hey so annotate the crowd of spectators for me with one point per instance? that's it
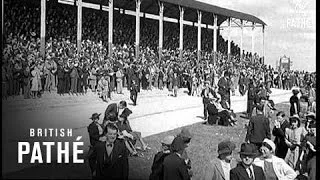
(24, 71)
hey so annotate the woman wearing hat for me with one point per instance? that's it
(219, 168)
(274, 167)
(245, 169)
(294, 136)
(103, 88)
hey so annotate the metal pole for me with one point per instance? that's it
(43, 27)
(241, 39)
(215, 34)
(138, 3)
(199, 34)
(79, 30)
(252, 39)
(161, 8)
(110, 28)
(181, 31)
(263, 47)
(229, 38)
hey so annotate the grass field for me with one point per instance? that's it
(202, 148)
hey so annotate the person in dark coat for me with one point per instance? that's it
(174, 167)
(114, 108)
(134, 91)
(205, 98)
(96, 135)
(245, 170)
(61, 79)
(224, 85)
(279, 132)
(157, 164)
(112, 156)
(251, 98)
(26, 82)
(258, 128)
(294, 103)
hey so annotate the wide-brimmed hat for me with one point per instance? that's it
(226, 147)
(248, 149)
(269, 144)
(311, 115)
(95, 116)
(167, 140)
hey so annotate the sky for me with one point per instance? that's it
(290, 30)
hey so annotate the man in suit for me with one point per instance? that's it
(134, 91)
(219, 168)
(112, 156)
(245, 170)
(251, 97)
(205, 98)
(174, 167)
(278, 131)
(113, 109)
(258, 128)
(224, 85)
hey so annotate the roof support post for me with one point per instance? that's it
(110, 28)
(199, 34)
(229, 39)
(79, 27)
(215, 34)
(252, 43)
(161, 9)
(263, 50)
(138, 3)
(241, 40)
(42, 27)
(181, 31)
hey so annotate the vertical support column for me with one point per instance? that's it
(199, 34)
(241, 40)
(181, 31)
(42, 28)
(229, 39)
(263, 50)
(79, 30)
(138, 2)
(252, 41)
(215, 34)
(110, 28)
(161, 8)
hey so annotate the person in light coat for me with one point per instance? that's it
(273, 166)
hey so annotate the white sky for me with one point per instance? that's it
(290, 30)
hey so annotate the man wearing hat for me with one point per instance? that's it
(134, 91)
(224, 85)
(219, 168)
(309, 151)
(174, 166)
(96, 135)
(273, 166)
(245, 169)
(157, 165)
(294, 102)
(258, 128)
(278, 131)
(205, 98)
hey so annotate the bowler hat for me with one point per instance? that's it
(226, 147)
(248, 149)
(95, 116)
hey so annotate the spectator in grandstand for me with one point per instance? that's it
(219, 168)
(278, 131)
(258, 128)
(294, 135)
(273, 166)
(157, 164)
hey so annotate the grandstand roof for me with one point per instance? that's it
(172, 10)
